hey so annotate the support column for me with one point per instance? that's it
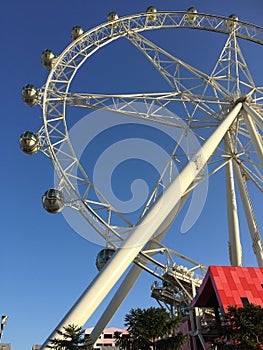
(235, 250)
(116, 301)
(142, 233)
(251, 220)
(131, 278)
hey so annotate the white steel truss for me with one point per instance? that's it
(223, 110)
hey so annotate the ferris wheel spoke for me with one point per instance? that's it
(250, 171)
(88, 200)
(256, 100)
(174, 70)
(231, 69)
(249, 174)
(247, 157)
(98, 213)
(153, 196)
(257, 118)
(147, 106)
(150, 106)
(102, 211)
(243, 151)
(166, 177)
(181, 76)
(255, 137)
(247, 146)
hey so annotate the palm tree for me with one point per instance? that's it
(153, 328)
(71, 338)
(242, 329)
(123, 340)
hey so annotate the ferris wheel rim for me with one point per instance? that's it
(107, 24)
(47, 94)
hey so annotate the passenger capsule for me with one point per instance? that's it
(48, 59)
(151, 11)
(76, 32)
(30, 95)
(29, 142)
(103, 256)
(191, 15)
(232, 22)
(112, 16)
(53, 200)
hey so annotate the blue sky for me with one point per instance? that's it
(45, 265)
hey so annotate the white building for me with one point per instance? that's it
(104, 342)
(107, 339)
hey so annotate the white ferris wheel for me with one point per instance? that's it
(222, 109)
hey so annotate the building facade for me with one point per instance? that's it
(107, 338)
(222, 286)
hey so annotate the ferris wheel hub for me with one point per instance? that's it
(247, 98)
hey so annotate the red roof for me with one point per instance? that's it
(230, 285)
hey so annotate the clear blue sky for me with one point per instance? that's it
(45, 266)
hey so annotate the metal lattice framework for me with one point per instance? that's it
(202, 98)
(226, 99)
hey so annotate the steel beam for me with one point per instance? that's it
(120, 261)
(235, 250)
(249, 213)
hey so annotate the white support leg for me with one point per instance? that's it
(116, 301)
(255, 137)
(131, 278)
(235, 250)
(251, 220)
(142, 233)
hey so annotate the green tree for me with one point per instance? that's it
(71, 338)
(153, 328)
(243, 329)
(123, 340)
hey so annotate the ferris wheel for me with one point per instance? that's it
(222, 109)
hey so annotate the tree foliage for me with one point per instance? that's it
(243, 329)
(123, 340)
(153, 328)
(71, 338)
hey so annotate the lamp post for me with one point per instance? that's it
(3, 324)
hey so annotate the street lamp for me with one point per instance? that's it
(3, 324)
